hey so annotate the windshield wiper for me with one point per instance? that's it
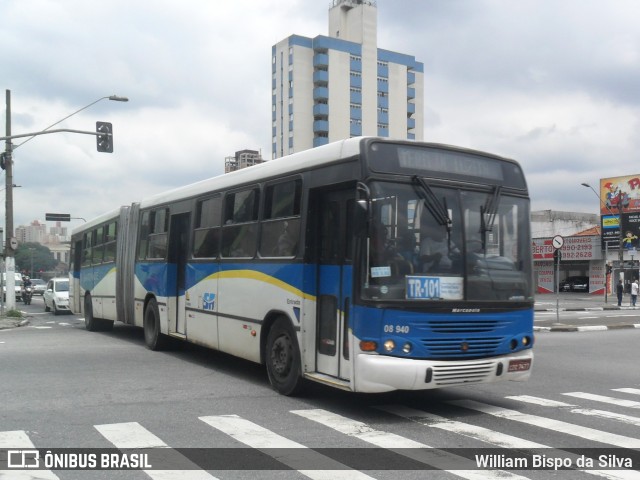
(435, 207)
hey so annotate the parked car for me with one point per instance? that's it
(18, 286)
(574, 284)
(56, 296)
(39, 286)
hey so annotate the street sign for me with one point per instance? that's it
(57, 217)
(557, 241)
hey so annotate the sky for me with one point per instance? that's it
(554, 84)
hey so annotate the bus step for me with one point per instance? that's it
(329, 380)
(181, 336)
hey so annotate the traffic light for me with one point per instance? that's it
(105, 139)
(557, 256)
(608, 269)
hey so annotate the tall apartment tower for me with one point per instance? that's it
(339, 86)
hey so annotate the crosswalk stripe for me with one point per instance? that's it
(550, 424)
(20, 440)
(387, 440)
(582, 411)
(539, 401)
(134, 435)
(634, 391)
(255, 436)
(486, 435)
(468, 430)
(604, 399)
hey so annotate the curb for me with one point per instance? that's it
(587, 328)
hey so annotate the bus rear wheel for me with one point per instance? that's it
(152, 336)
(283, 358)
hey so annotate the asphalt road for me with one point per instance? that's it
(64, 387)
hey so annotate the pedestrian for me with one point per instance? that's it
(634, 292)
(619, 292)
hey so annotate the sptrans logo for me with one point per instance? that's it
(209, 301)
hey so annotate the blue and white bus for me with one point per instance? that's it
(368, 264)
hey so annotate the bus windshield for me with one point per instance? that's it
(445, 243)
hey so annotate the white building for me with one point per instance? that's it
(342, 85)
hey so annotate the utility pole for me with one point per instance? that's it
(9, 259)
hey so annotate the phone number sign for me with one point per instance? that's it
(574, 248)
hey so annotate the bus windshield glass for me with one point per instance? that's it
(430, 243)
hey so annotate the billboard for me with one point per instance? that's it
(616, 192)
(620, 204)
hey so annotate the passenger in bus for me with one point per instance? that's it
(435, 250)
(285, 246)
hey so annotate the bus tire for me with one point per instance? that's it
(283, 358)
(153, 338)
(90, 323)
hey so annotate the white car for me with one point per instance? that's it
(56, 296)
(39, 286)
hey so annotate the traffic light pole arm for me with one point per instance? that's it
(58, 130)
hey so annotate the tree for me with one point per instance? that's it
(43, 259)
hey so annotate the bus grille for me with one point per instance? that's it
(444, 375)
(452, 348)
(466, 326)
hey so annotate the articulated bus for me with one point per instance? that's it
(368, 264)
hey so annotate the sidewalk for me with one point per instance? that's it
(565, 306)
(12, 322)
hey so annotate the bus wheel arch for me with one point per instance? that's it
(281, 354)
(91, 323)
(153, 336)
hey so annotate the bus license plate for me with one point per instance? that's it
(519, 365)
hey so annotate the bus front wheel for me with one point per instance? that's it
(283, 358)
(90, 322)
(152, 336)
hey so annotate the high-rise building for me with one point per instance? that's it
(342, 85)
(242, 159)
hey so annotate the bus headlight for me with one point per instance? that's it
(389, 345)
(407, 347)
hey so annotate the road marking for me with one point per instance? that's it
(539, 401)
(134, 435)
(551, 424)
(418, 451)
(490, 436)
(472, 431)
(634, 391)
(604, 399)
(39, 328)
(19, 439)
(249, 433)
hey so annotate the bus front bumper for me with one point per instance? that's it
(379, 373)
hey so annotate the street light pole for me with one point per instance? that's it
(11, 244)
(9, 259)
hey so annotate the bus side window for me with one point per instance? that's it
(207, 228)
(240, 231)
(281, 220)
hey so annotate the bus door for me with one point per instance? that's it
(178, 251)
(335, 236)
